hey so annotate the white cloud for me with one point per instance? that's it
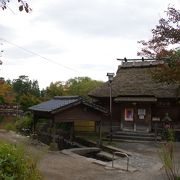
(76, 38)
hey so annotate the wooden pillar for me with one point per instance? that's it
(35, 119)
(122, 109)
(135, 116)
(53, 130)
(150, 118)
(72, 134)
(53, 145)
(33, 125)
(99, 141)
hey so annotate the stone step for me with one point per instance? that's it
(135, 138)
(131, 133)
(141, 138)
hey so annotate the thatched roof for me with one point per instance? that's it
(135, 79)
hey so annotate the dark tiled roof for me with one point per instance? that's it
(95, 106)
(56, 103)
(59, 102)
(135, 79)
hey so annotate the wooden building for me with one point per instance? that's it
(137, 100)
(73, 110)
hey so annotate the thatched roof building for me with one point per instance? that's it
(135, 79)
(138, 100)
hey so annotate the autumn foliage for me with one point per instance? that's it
(166, 33)
(6, 93)
(164, 45)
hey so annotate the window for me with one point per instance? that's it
(141, 113)
(129, 114)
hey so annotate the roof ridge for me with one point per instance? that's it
(136, 64)
(67, 97)
(87, 102)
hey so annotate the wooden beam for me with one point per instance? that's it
(140, 59)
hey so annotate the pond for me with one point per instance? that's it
(93, 152)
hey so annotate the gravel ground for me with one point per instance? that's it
(81, 169)
(58, 166)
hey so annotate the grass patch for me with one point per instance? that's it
(10, 127)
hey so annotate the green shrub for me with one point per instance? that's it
(10, 126)
(23, 123)
(1, 118)
(15, 164)
(170, 135)
(170, 165)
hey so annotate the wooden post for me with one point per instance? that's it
(53, 131)
(72, 132)
(100, 133)
(34, 126)
(149, 118)
(156, 133)
(135, 116)
(34, 136)
(53, 145)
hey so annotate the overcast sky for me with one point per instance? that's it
(62, 39)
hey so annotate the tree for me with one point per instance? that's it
(23, 85)
(6, 92)
(165, 35)
(27, 91)
(74, 86)
(27, 100)
(170, 71)
(55, 89)
(81, 85)
(23, 5)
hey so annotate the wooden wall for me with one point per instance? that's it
(155, 109)
(172, 110)
(80, 112)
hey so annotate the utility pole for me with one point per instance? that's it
(110, 78)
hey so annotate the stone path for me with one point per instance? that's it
(141, 162)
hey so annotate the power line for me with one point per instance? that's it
(36, 54)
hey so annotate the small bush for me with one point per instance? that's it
(170, 135)
(10, 126)
(171, 167)
(1, 118)
(24, 124)
(15, 164)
